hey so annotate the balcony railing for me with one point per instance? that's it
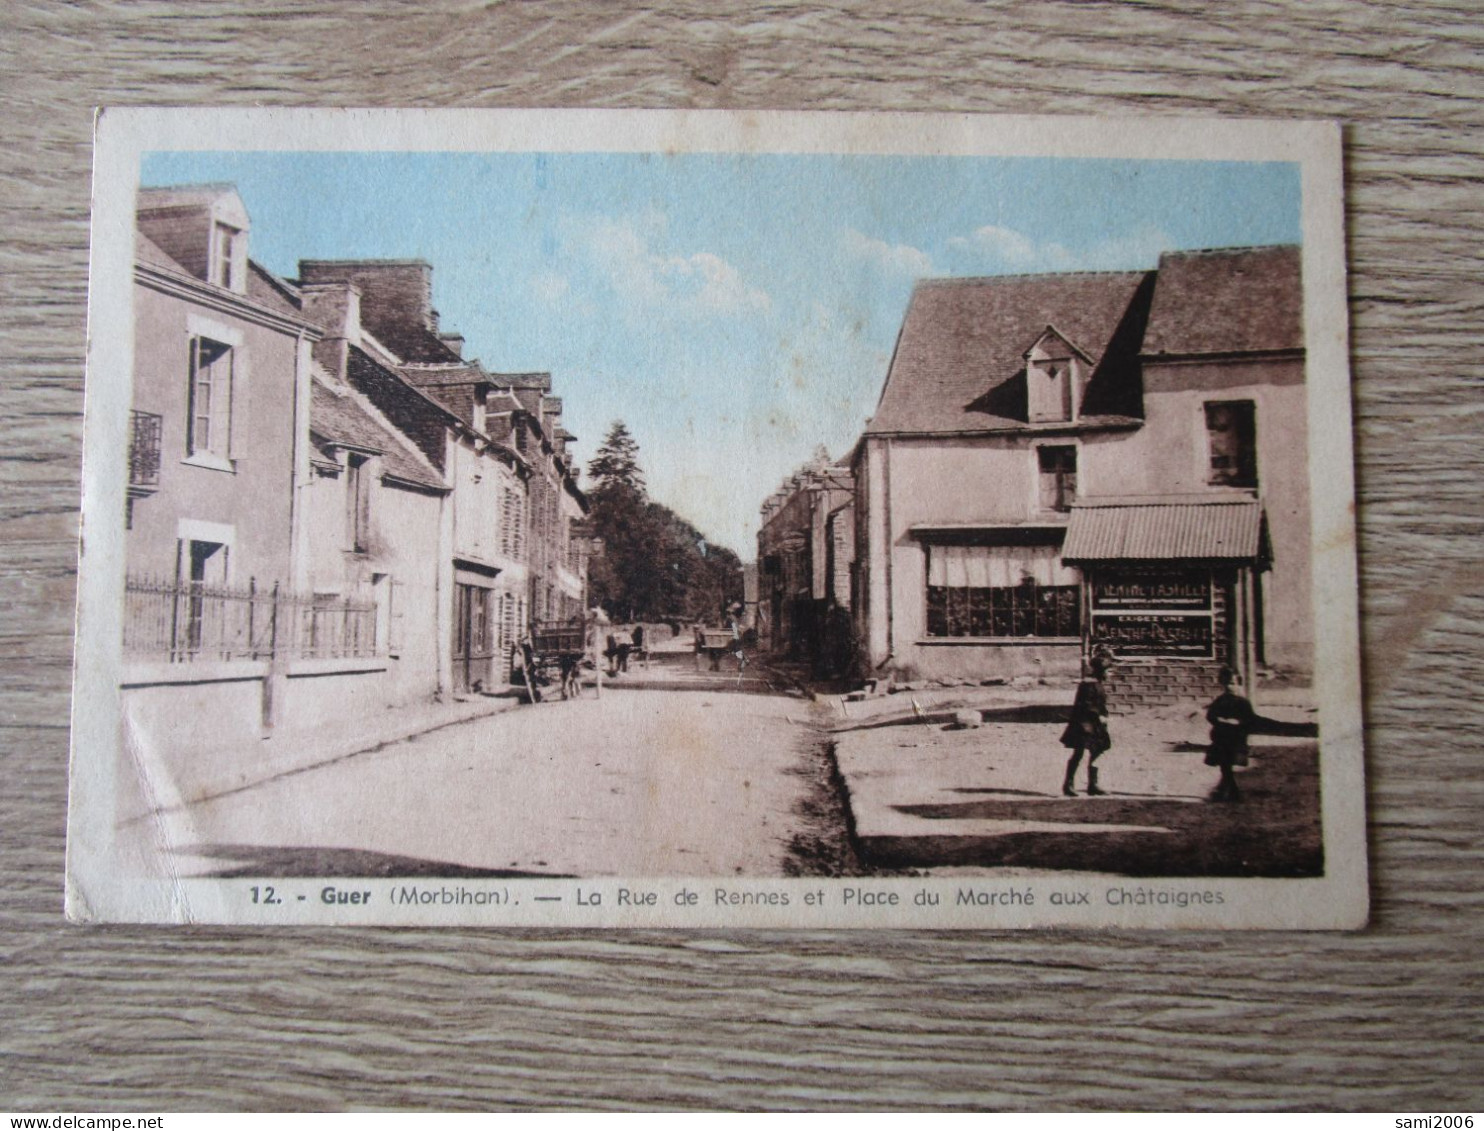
(144, 453)
(192, 621)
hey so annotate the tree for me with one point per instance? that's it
(655, 565)
(616, 464)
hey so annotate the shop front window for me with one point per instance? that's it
(1001, 591)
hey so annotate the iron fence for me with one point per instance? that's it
(191, 621)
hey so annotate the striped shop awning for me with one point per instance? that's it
(1177, 529)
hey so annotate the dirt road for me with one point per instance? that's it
(639, 783)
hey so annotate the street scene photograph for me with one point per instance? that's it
(528, 515)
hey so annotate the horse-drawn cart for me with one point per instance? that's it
(555, 650)
(715, 644)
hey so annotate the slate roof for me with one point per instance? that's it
(503, 401)
(148, 252)
(959, 364)
(263, 287)
(414, 343)
(267, 289)
(339, 418)
(411, 411)
(272, 290)
(540, 381)
(178, 196)
(1217, 528)
(1227, 300)
(463, 373)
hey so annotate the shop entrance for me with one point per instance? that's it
(474, 644)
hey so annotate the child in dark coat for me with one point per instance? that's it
(1231, 717)
(1087, 729)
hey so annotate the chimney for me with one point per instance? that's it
(453, 341)
(336, 309)
(396, 294)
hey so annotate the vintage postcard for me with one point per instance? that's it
(629, 519)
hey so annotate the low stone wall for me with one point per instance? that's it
(973, 661)
(1133, 685)
(193, 730)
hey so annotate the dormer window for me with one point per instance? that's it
(202, 228)
(1053, 370)
(223, 264)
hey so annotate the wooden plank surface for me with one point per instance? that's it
(124, 1018)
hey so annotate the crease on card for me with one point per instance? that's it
(165, 818)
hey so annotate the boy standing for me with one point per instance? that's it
(1231, 717)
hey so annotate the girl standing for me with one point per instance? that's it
(1088, 727)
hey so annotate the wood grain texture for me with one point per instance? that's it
(124, 1018)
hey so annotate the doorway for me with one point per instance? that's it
(473, 638)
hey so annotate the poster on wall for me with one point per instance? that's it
(655, 519)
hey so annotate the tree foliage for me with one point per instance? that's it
(655, 565)
(616, 464)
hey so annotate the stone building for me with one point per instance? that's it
(806, 548)
(217, 634)
(518, 556)
(437, 399)
(1066, 459)
(524, 414)
(330, 509)
(219, 352)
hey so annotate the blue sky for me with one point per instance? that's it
(736, 311)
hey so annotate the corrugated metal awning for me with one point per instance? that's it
(1184, 529)
(978, 534)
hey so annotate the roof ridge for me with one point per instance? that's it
(403, 261)
(1168, 499)
(1233, 248)
(194, 186)
(280, 283)
(953, 280)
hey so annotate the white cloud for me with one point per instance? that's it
(1005, 248)
(897, 258)
(701, 283)
(1139, 248)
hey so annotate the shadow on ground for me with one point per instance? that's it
(275, 862)
(1028, 713)
(1055, 713)
(1274, 831)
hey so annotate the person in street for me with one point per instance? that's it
(570, 665)
(734, 625)
(638, 637)
(619, 643)
(1231, 717)
(1087, 729)
(528, 669)
(596, 622)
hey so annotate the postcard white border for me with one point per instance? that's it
(96, 890)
